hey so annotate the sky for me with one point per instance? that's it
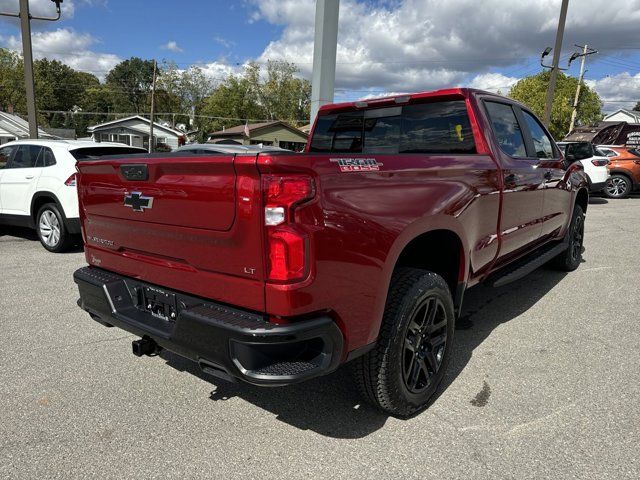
(384, 46)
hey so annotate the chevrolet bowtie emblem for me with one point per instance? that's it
(137, 201)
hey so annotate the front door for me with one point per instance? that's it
(523, 193)
(19, 180)
(557, 196)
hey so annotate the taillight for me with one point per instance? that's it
(600, 162)
(71, 181)
(287, 245)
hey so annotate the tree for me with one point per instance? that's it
(277, 94)
(637, 107)
(532, 92)
(12, 92)
(131, 82)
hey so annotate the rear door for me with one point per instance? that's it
(19, 180)
(5, 157)
(523, 193)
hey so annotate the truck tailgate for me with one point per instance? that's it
(189, 223)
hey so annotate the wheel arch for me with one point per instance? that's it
(42, 198)
(582, 199)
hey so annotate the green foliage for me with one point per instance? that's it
(637, 107)
(257, 93)
(279, 95)
(532, 91)
(131, 81)
(11, 81)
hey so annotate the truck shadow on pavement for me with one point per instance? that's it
(331, 405)
(29, 234)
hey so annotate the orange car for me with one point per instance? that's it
(624, 168)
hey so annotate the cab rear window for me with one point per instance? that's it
(94, 153)
(433, 128)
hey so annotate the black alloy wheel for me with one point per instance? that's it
(424, 345)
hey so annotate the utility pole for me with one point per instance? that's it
(556, 60)
(27, 55)
(585, 52)
(153, 105)
(324, 54)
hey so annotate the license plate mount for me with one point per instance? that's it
(160, 304)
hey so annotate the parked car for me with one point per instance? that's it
(38, 186)
(594, 162)
(275, 268)
(624, 167)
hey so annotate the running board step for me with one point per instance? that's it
(527, 265)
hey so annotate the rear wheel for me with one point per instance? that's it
(404, 370)
(52, 231)
(618, 186)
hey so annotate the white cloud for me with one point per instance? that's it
(40, 8)
(493, 82)
(172, 46)
(410, 45)
(617, 91)
(69, 47)
(224, 42)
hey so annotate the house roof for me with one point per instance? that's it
(100, 126)
(253, 128)
(630, 113)
(18, 127)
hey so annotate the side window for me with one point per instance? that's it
(26, 156)
(507, 129)
(5, 155)
(541, 141)
(578, 151)
(46, 158)
(440, 127)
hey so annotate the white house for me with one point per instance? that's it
(135, 131)
(623, 115)
(12, 127)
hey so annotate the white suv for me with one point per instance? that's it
(38, 186)
(593, 161)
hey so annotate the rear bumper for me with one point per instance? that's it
(225, 341)
(597, 187)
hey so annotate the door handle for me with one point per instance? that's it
(29, 177)
(548, 175)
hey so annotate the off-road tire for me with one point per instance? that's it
(380, 374)
(571, 258)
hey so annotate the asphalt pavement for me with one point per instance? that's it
(545, 383)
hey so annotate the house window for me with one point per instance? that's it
(161, 140)
(124, 139)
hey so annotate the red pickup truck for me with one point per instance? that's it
(277, 267)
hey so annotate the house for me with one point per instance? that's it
(12, 127)
(306, 128)
(135, 131)
(623, 115)
(275, 133)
